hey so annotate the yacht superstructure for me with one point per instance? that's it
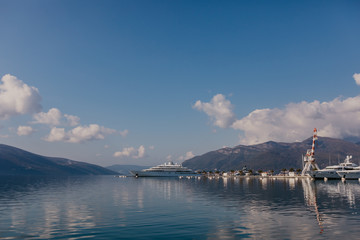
(168, 169)
(335, 171)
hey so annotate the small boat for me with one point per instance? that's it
(168, 169)
(332, 172)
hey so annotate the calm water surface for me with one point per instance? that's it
(104, 207)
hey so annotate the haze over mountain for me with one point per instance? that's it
(15, 161)
(275, 155)
(125, 169)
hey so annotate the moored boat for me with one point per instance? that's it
(168, 169)
(332, 172)
(350, 173)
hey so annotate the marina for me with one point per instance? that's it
(345, 170)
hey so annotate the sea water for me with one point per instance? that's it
(105, 207)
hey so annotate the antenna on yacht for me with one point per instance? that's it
(309, 158)
(302, 157)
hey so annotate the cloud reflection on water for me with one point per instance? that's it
(228, 208)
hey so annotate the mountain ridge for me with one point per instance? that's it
(16, 161)
(275, 155)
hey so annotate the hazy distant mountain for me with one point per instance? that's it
(274, 155)
(124, 169)
(353, 139)
(15, 161)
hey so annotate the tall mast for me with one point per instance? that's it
(313, 145)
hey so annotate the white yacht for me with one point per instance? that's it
(350, 174)
(168, 169)
(331, 172)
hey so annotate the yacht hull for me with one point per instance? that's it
(349, 174)
(328, 175)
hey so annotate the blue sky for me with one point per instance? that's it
(147, 81)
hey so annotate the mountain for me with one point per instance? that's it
(275, 155)
(124, 169)
(353, 139)
(15, 161)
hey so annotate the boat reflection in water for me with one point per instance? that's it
(325, 208)
(329, 199)
(311, 199)
(105, 207)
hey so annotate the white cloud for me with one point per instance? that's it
(141, 152)
(338, 118)
(187, 156)
(356, 77)
(124, 133)
(88, 133)
(52, 117)
(72, 120)
(218, 109)
(24, 130)
(17, 98)
(56, 135)
(151, 147)
(126, 152)
(131, 152)
(79, 134)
